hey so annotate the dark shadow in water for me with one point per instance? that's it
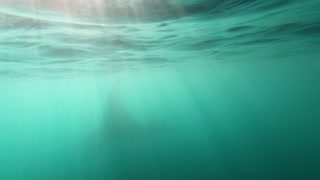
(119, 122)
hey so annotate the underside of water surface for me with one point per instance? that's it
(159, 89)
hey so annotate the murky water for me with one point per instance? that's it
(150, 89)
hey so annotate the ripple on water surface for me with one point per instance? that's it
(104, 35)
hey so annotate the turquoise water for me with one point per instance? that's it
(159, 89)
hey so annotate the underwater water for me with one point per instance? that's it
(159, 89)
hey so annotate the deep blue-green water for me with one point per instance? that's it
(159, 89)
